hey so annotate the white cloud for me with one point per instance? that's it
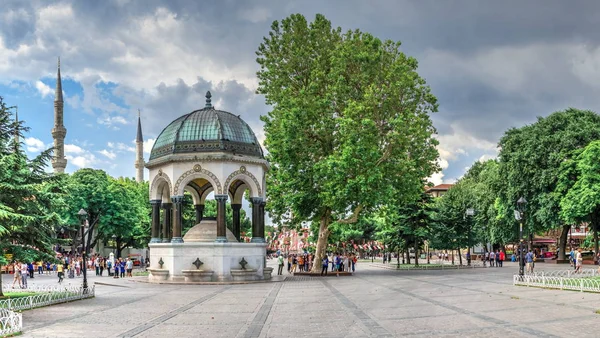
(148, 144)
(112, 120)
(34, 145)
(85, 161)
(73, 149)
(43, 88)
(108, 154)
(120, 147)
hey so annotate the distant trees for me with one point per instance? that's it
(29, 197)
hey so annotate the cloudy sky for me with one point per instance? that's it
(492, 65)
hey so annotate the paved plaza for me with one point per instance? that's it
(375, 302)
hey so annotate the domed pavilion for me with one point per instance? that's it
(202, 152)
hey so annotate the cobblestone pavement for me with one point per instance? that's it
(374, 303)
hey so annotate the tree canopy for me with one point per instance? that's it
(349, 127)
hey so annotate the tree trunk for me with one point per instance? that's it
(321, 249)
(562, 245)
(595, 229)
(118, 247)
(459, 257)
(452, 253)
(427, 253)
(398, 257)
(407, 255)
(416, 253)
(1, 293)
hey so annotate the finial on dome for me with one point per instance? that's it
(139, 113)
(208, 96)
(59, 62)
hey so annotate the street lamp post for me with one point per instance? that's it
(82, 217)
(470, 212)
(521, 203)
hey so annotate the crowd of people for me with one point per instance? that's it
(72, 266)
(304, 263)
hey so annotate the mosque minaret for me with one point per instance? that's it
(139, 152)
(59, 162)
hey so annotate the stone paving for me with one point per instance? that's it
(374, 303)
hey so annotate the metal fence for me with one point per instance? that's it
(10, 322)
(45, 296)
(571, 273)
(561, 283)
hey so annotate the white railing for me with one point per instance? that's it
(46, 296)
(562, 283)
(10, 322)
(569, 273)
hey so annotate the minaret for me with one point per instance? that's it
(59, 163)
(139, 151)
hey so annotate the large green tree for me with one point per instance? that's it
(582, 201)
(530, 164)
(349, 126)
(125, 217)
(29, 198)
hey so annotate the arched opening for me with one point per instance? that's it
(160, 199)
(245, 195)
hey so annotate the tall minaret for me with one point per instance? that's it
(59, 163)
(139, 151)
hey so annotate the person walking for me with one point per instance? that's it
(61, 274)
(301, 263)
(502, 257)
(579, 260)
(24, 275)
(17, 275)
(529, 261)
(289, 261)
(325, 265)
(294, 264)
(129, 267)
(280, 263)
(492, 258)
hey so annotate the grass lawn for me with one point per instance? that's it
(14, 295)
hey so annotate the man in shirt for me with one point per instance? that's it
(529, 261)
(325, 264)
(280, 263)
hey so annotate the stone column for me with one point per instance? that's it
(221, 224)
(178, 204)
(257, 236)
(167, 224)
(199, 212)
(155, 221)
(236, 221)
(261, 219)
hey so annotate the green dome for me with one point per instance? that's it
(207, 130)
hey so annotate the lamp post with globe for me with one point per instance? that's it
(82, 214)
(521, 204)
(470, 213)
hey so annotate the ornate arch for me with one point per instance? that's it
(243, 172)
(197, 172)
(156, 183)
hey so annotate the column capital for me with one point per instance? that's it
(235, 206)
(221, 197)
(177, 199)
(155, 202)
(256, 200)
(167, 205)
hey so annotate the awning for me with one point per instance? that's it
(544, 241)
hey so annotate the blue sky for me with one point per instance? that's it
(492, 65)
